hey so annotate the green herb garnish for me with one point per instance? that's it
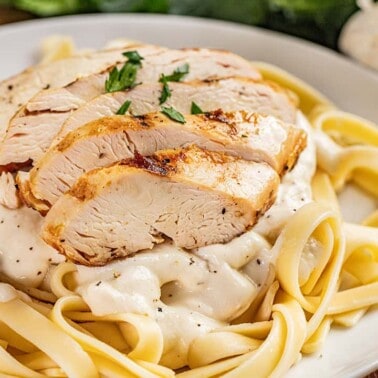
(124, 108)
(119, 80)
(165, 94)
(195, 109)
(176, 76)
(173, 114)
(133, 57)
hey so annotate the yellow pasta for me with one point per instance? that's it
(294, 315)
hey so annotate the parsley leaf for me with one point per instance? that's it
(173, 114)
(124, 107)
(133, 57)
(119, 80)
(177, 75)
(165, 94)
(195, 109)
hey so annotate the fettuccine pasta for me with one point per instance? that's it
(292, 315)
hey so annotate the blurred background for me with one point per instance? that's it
(316, 20)
(348, 26)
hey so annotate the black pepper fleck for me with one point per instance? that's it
(223, 211)
(98, 283)
(10, 87)
(198, 325)
(30, 248)
(191, 261)
(39, 273)
(160, 309)
(17, 261)
(258, 262)
(18, 226)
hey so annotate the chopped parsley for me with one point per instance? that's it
(195, 109)
(119, 80)
(173, 114)
(133, 57)
(176, 76)
(124, 107)
(165, 93)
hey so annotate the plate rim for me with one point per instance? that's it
(142, 17)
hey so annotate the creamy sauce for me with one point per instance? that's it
(295, 189)
(24, 256)
(187, 293)
(8, 192)
(310, 258)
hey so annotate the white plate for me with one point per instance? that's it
(347, 353)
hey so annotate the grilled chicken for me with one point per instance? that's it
(32, 129)
(191, 196)
(8, 192)
(229, 94)
(108, 140)
(19, 89)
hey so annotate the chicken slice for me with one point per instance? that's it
(107, 140)
(191, 196)
(17, 90)
(228, 94)
(32, 129)
(8, 191)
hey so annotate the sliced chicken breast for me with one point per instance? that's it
(19, 89)
(228, 94)
(8, 192)
(32, 129)
(192, 196)
(108, 140)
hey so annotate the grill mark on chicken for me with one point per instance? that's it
(150, 163)
(11, 167)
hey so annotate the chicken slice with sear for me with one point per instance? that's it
(106, 141)
(32, 129)
(191, 196)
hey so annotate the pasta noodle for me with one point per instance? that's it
(293, 315)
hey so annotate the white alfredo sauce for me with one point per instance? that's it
(295, 188)
(24, 256)
(188, 294)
